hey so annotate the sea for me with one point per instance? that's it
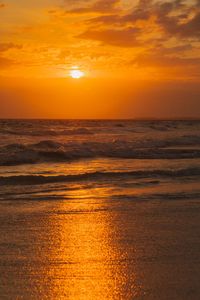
(99, 209)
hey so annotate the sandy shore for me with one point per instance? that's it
(89, 249)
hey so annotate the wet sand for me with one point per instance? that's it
(98, 249)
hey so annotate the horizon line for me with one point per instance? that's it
(107, 119)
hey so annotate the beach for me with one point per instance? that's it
(99, 210)
(89, 249)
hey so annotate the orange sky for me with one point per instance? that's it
(140, 58)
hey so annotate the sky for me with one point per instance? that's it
(140, 58)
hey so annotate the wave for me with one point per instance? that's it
(41, 179)
(195, 195)
(52, 151)
(46, 132)
(160, 196)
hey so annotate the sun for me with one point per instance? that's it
(76, 74)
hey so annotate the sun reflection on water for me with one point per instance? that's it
(86, 262)
(73, 249)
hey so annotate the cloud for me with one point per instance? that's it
(165, 61)
(4, 61)
(117, 37)
(179, 19)
(174, 50)
(7, 46)
(100, 6)
(174, 18)
(142, 11)
(172, 58)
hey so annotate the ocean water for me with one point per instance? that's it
(46, 159)
(94, 209)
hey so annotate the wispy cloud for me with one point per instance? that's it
(7, 46)
(117, 37)
(174, 18)
(100, 6)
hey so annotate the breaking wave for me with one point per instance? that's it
(41, 179)
(52, 151)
